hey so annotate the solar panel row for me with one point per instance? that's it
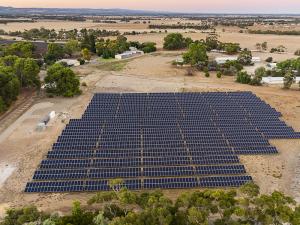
(149, 183)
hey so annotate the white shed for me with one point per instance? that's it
(129, 54)
(222, 60)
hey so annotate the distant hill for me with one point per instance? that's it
(76, 11)
(11, 11)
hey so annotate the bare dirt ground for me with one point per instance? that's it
(24, 147)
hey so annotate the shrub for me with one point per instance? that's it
(206, 72)
(81, 61)
(269, 59)
(219, 74)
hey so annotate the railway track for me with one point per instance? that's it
(25, 101)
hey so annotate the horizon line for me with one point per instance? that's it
(161, 11)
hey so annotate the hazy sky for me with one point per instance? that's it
(201, 6)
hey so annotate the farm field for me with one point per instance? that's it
(226, 34)
(148, 73)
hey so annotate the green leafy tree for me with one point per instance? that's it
(100, 219)
(27, 70)
(243, 77)
(196, 55)
(8, 61)
(24, 215)
(148, 47)
(212, 41)
(230, 48)
(61, 80)
(89, 41)
(9, 86)
(109, 48)
(288, 79)
(21, 49)
(275, 208)
(296, 216)
(71, 47)
(264, 46)
(245, 57)
(86, 55)
(258, 75)
(54, 53)
(2, 105)
(174, 41)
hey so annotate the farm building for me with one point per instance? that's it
(128, 54)
(276, 80)
(222, 60)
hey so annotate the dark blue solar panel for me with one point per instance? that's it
(160, 140)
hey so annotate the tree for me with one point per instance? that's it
(288, 79)
(274, 208)
(219, 74)
(148, 47)
(109, 48)
(230, 48)
(9, 86)
(100, 219)
(264, 46)
(196, 55)
(212, 41)
(196, 216)
(61, 80)
(27, 70)
(174, 41)
(245, 57)
(258, 75)
(243, 77)
(54, 53)
(71, 47)
(250, 189)
(258, 46)
(89, 41)
(2, 105)
(21, 49)
(24, 215)
(86, 55)
(218, 207)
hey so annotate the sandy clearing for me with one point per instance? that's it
(5, 172)
(17, 123)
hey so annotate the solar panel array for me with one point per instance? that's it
(160, 140)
